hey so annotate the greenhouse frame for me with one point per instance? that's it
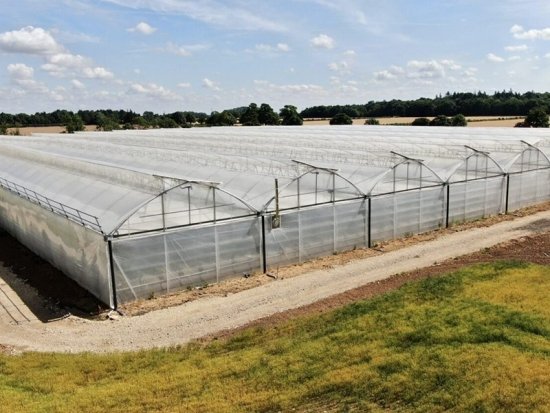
(128, 214)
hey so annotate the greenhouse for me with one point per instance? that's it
(128, 214)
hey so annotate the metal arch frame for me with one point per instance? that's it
(475, 152)
(312, 168)
(532, 146)
(182, 182)
(405, 160)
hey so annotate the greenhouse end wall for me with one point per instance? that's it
(191, 256)
(78, 252)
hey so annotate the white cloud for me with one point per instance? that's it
(97, 73)
(178, 50)
(213, 12)
(265, 86)
(283, 47)
(59, 62)
(210, 84)
(29, 40)
(143, 28)
(514, 58)
(350, 53)
(494, 58)
(534, 34)
(517, 48)
(184, 50)
(23, 76)
(430, 69)
(384, 75)
(184, 85)
(341, 67)
(77, 84)
(153, 90)
(267, 48)
(323, 41)
(516, 28)
(422, 72)
(547, 55)
(20, 71)
(450, 64)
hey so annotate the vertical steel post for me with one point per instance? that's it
(507, 192)
(448, 205)
(163, 212)
(369, 216)
(112, 270)
(264, 252)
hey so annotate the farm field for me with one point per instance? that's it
(473, 121)
(476, 339)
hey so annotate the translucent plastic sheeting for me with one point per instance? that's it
(316, 231)
(529, 188)
(75, 250)
(186, 257)
(476, 199)
(407, 213)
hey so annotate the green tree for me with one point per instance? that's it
(341, 119)
(250, 117)
(372, 121)
(224, 118)
(73, 123)
(106, 123)
(267, 116)
(459, 120)
(440, 120)
(421, 122)
(3, 129)
(536, 118)
(167, 122)
(290, 116)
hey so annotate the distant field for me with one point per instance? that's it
(477, 340)
(478, 121)
(473, 121)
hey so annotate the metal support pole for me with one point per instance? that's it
(448, 205)
(264, 252)
(507, 192)
(112, 270)
(163, 212)
(369, 216)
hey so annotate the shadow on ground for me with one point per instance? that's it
(47, 292)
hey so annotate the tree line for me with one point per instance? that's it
(451, 104)
(447, 108)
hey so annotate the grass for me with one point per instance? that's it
(477, 340)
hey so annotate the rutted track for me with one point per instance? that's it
(203, 317)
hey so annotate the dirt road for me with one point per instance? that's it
(210, 315)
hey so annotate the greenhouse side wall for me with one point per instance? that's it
(528, 188)
(191, 256)
(406, 213)
(316, 231)
(79, 252)
(476, 199)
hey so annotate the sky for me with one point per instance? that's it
(205, 55)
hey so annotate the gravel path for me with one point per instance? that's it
(195, 319)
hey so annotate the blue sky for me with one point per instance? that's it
(168, 55)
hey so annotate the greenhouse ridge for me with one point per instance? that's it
(129, 213)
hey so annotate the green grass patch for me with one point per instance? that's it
(477, 340)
